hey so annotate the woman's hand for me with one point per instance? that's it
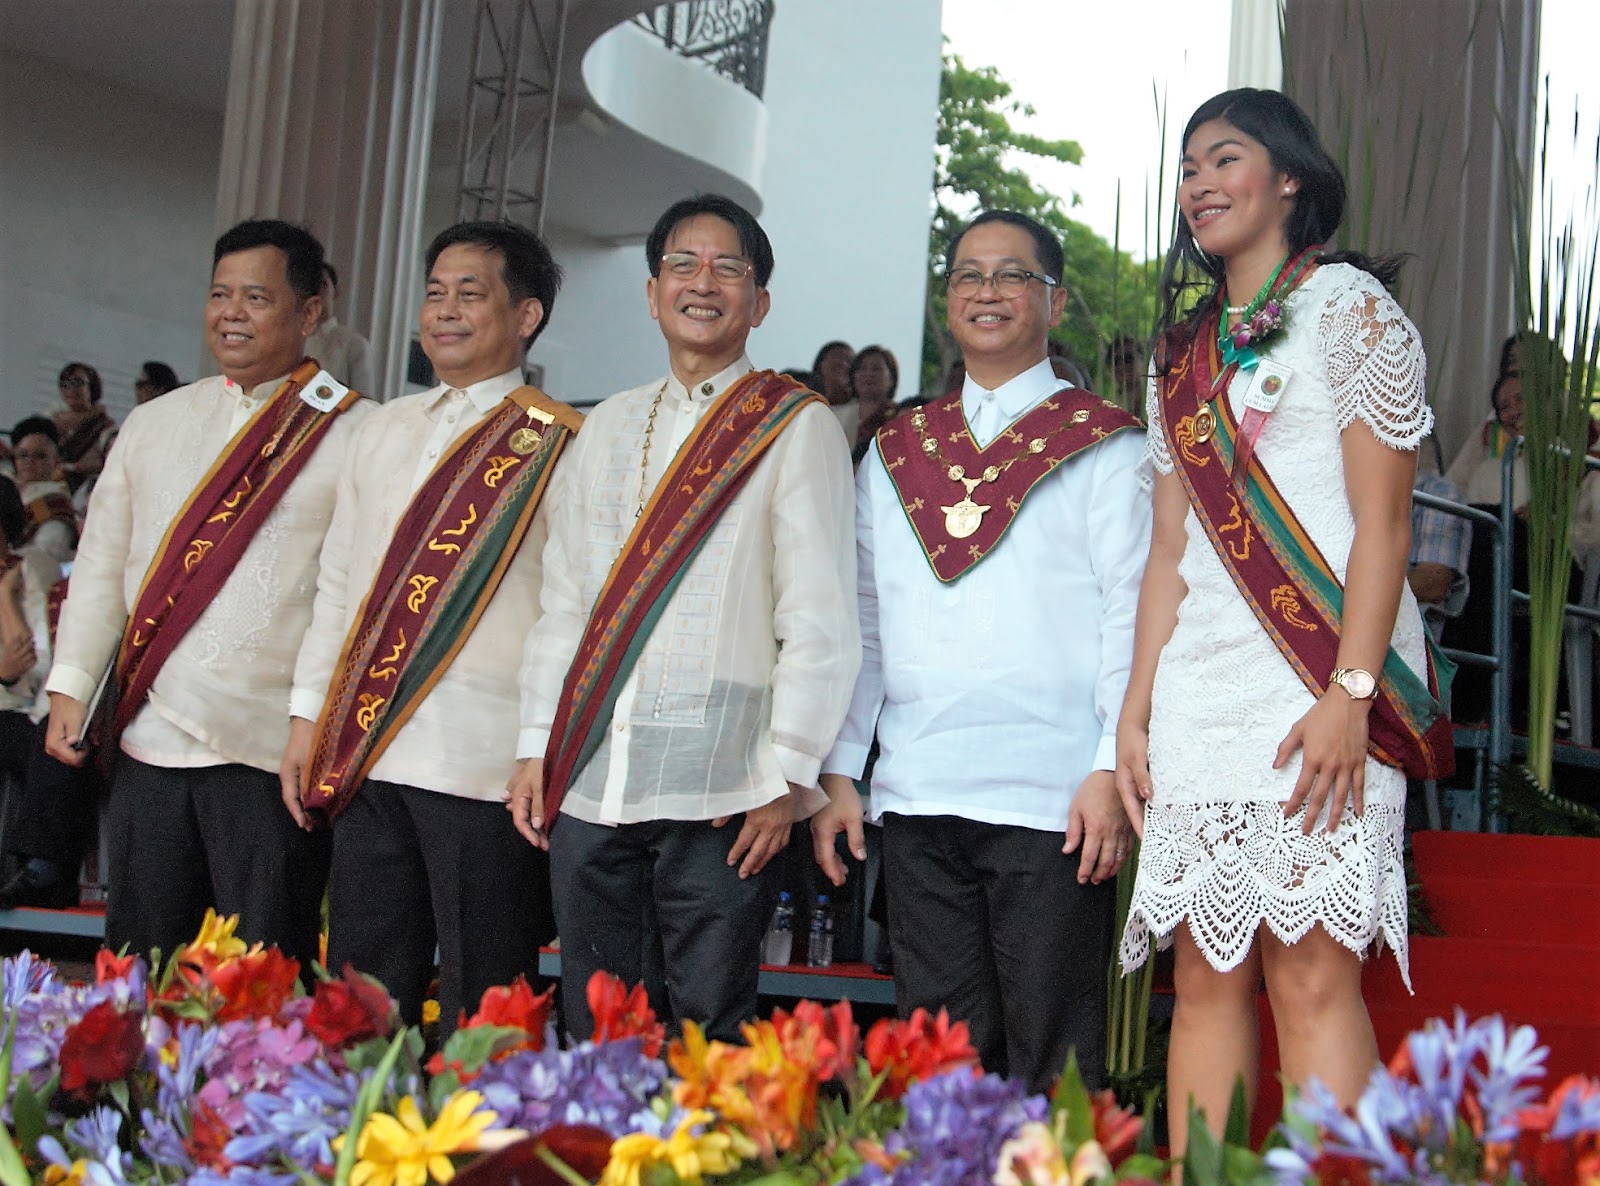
(1133, 770)
(1332, 738)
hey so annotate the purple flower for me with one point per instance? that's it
(297, 1125)
(243, 1175)
(23, 975)
(955, 1125)
(1580, 1113)
(252, 1056)
(95, 1173)
(1506, 1082)
(1241, 337)
(609, 1085)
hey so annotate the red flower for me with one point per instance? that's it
(102, 1048)
(619, 1013)
(917, 1049)
(1116, 1129)
(824, 1040)
(254, 985)
(208, 1134)
(344, 1012)
(515, 1006)
(581, 1147)
(110, 966)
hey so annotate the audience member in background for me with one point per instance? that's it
(52, 524)
(874, 376)
(155, 379)
(1479, 466)
(832, 367)
(204, 613)
(86, 428)
(1126, 368)
(1441, 545)
(343, 353)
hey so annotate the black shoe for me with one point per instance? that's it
(883, 965)
(26, 889)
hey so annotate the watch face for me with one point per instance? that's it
(1359, 684)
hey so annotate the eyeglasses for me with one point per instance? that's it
(1008, 282)
(684, 265)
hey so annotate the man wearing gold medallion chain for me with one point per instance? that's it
(405, 695)
(698, 642)
(1001, 535)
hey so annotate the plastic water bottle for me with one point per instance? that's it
(779, 947)
(819, 953)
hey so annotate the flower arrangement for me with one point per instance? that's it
(219, 1068)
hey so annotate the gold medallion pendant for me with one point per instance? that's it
(1205, 423)
(525, 441)
(964, 518)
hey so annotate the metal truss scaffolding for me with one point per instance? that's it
(508, 122)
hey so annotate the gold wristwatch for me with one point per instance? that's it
(1357, 682)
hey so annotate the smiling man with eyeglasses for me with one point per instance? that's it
(1002, 535)
(697, 645)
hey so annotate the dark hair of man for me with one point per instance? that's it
(300, 247)
(753, 241)
(869, 352)
(1045, 244)
(88, 372)
(526, 265)
(827, 349)
(1278, 124)
(810, 380)
(162, 377)
(36, 426)
(331, 272)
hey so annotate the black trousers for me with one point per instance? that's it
(658, 902)
(185, 839)
(989, 922)
(414, 869)
(54, 809)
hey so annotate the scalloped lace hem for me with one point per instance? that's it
(1228, 868)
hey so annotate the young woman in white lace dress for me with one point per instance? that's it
(1271, 839)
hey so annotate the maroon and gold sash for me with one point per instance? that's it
(709, 469)
(211, 532)
(924, 451)
(449, 552)
(1278, 568)
(50, 508)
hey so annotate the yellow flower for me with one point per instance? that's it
(430, 1012)
(401, 1150)
(1032, 1158)
(691, 1155)
(216, 937)
(54, 1174)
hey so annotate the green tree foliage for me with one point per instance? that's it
(1109, 293)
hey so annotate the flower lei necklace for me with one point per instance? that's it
(1264, 315)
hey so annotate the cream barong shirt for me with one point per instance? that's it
(220, 696)
(462, 738)
(748, 672)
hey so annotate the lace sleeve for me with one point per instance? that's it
(1376, 366)
(1156, 459)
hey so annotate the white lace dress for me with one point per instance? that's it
(1217, 849)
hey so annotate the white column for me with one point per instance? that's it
(329, 121)
(1255, 46)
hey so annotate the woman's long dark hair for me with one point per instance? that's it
(1277, 123)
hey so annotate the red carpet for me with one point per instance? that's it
(1521, 922)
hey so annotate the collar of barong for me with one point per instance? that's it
(445, 560)
(212, 529)
(705, 474)
(1026, 452)
(1279, 570)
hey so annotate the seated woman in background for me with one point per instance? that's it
(874, 376)
(86, 427)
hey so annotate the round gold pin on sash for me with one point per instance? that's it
(1205, 423)
(525, 441)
